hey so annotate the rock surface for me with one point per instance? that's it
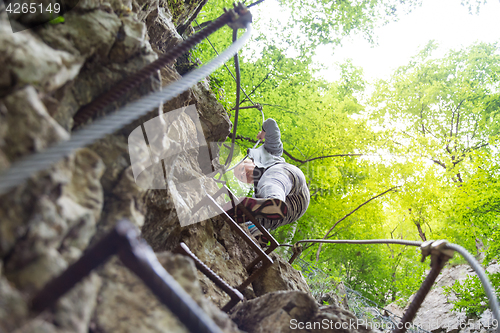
(126, 305)
(436, 314)
(293, 311)
(280, 276)
(47, 223)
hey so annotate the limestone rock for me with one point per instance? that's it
(84, 34)
(125, 202)
(273, 312)
(49, 221)
(126, 305)
(38, 326)
(131, 38)
(184, 271)
(166, 208)
(4, 162)
(28, 126)
(334, 319)
(161, 30)
(34, 275)
(73, 311)
(143, 8)
(27, 60)
(201, 241)
(280, 276)
(337, 297)
(58, 210)
(293, 311)
(13, 308)
(214, 119)
(215, 122)
(98, 78)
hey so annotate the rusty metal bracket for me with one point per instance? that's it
(297, 250)
(138, 257)
(439, 256)
(242, 19)
(262, 256)
(235, 295)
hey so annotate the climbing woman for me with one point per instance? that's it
(281, 193)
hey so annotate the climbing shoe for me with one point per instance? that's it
(272, 209)
(262, 241)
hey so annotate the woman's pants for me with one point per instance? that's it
(285, 182)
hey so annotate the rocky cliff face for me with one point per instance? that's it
(46, 224)
(436, 314)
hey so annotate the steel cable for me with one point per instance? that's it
(237, 111)
(89, 110)
(237, 80)
(488, 288)
(231, 73)
(490, 291)
(365, 241)
(24, 168)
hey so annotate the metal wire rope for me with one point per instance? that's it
(23, 169)
(237, 79)
(237, 111)
(364, 241)
(490, 291)
(89, 110)
(234, 78)
(488, 288)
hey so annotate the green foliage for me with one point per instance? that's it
(470, 293)
(57, 20)
(432, 129)
(325, 22)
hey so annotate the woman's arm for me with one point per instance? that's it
(272, 135)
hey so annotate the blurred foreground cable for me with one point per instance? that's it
(23, 169)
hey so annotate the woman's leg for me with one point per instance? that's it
(285, 178)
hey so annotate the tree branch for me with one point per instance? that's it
(254, 89)
(240, 137)
(439, 163)
(349, 214)
(263, 80)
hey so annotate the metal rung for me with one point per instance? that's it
(138, 257)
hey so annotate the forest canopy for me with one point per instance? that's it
(416, 157)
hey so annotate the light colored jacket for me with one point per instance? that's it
(269, 153)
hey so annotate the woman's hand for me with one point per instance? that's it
(261, 136)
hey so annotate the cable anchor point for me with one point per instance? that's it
(240, 16)
(436, 249)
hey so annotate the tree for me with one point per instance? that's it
(445, 108)
(441, 127)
